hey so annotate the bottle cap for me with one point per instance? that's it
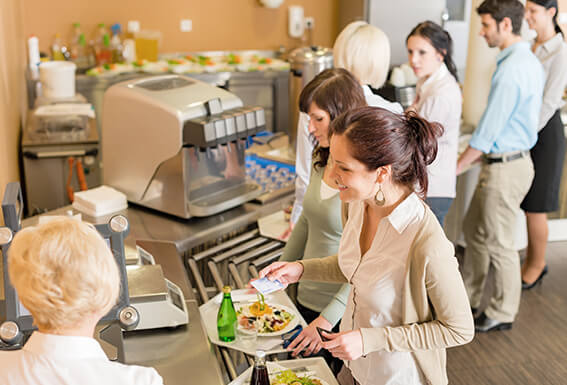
(116, 29)
(76, 25)
(260, 353)
(226, 289)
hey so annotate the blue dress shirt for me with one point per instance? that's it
(510, 120)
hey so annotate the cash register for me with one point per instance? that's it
(17, 323)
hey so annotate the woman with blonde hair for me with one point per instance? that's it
(67, 278)
(363, 50)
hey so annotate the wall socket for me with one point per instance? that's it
(186, 25)
(309, 22)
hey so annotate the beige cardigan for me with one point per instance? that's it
(436, 310)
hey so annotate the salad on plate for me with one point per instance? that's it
(266, 319)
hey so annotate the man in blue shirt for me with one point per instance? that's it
(503, 137)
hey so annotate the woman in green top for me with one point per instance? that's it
(317, 232)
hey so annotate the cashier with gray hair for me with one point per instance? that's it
(67, 278)
(363, 50)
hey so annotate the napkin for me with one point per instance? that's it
(100, 201)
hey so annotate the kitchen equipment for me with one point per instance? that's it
(159, 302)
(57, 79)
(60, 155)
(305, 64)
(405, 95)
(176, 145)
(267, 88)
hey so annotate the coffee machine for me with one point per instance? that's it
(176, 144)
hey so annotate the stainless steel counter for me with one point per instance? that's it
(147, 224)
(183, 354)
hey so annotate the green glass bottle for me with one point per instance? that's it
(226, 318)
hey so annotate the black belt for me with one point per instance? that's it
(506, 158)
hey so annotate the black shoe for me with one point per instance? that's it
(484, 324)
(474, 310)
(528, 286)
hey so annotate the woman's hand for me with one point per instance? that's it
(344, 345)
(309, 338)
(285, 272)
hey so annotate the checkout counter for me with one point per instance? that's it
(185, 351)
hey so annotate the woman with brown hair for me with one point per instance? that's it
(407, 301)
(318, 230)
(439, 99)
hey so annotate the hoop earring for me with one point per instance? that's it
(379, 198)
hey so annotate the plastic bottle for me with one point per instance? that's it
(260, 371)
(33, 57)
(78, 49)
(226, 317)
(116, 43)
(57, 51)
(129, 51)
(103, 54)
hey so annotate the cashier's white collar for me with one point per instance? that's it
(63, 347)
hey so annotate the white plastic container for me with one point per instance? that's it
(33, 56)
(57, 79)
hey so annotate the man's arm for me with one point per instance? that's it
(469, 156)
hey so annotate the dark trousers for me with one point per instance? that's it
(334, 363)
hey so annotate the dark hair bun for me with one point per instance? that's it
(425, 134)
(379, 137)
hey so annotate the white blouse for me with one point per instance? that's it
(439, 100)
(377, 279)
(553, 56)
(305, 146)
(327, 191)
(49, 359)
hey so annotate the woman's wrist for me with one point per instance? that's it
(300, 263)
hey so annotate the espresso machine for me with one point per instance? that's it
(176, 145)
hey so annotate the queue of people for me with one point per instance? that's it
(395, 173)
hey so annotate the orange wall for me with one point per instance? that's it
(12, 92)
(217, 24)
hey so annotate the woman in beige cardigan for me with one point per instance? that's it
(408, 302)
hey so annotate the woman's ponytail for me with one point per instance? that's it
(448, 57)
(424, 134)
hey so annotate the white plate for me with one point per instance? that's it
(293, 323)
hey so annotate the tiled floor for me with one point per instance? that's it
(534, 351)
